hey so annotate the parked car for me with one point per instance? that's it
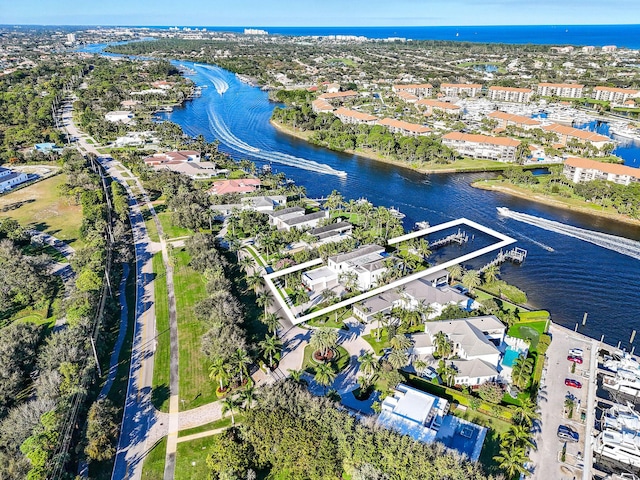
(570, 382)
(576, 352)
(574, 359)
(567, 433)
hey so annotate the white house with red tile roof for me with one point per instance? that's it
(320, 105)
(244, 185)
(566, 134)
(580, 170)
(564, 90)
(404, 128)
(432, 106)
(407, 97)
(502, 149)
(458, 89)
(419, 90)
(506, 119)
(509, 94)
(175, 156)
(353, 116)
(614, 95)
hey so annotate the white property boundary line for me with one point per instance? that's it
(504, 240)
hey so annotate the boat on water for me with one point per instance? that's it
(619, 447)
(626, 382)
(622, 361)
(502, 210)
(621, 417)
(396, 213)
(421, 225)
(266, 168)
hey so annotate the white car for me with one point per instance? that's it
(576, 352)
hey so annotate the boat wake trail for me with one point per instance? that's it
(622, 245)
(219, 83)
(222, 132)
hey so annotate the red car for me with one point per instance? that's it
(570, 382)
(574, 359)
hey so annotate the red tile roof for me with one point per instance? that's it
(510, 89)
(354, 114)
(244, 185)
(613, 168)
(438, 104)
(561, 85)
(509, 117)
(330, 96)
(475, 138)
(576, 132)
(410, 127)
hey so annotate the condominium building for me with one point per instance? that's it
(614, 95)
(320, 105)
(353, 116)
(510, 94)
(564, 90)
(566, 134)
(506, 119)
(419, 90)
(459, 89)
(502, 149)
(404, 128)
(580, 170)
(432, 106)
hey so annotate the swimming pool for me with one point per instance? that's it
(510, 356)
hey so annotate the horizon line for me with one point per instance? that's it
(316, 26)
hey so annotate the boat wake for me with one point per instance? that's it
(220, 85)
(622, 245)
(223, 133)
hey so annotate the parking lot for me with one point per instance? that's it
(548, 461)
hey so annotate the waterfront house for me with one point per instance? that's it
(425, 418)
(353, 116)
(509, 94)
(502, 149)
(244, 185)
(309, 220)
(419, 90)
(404, 128)
(175, 156)
(460, 89)
(279, 217)
(580, 170)
(368, 263)
(320, 105)
(10, 179)
(432, 106)
(334, 232)
(320, 279)
(563, 90)
(566, 134)
(119, 116)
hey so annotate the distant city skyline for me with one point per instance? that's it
(327, 13)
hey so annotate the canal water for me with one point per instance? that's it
(563, 273)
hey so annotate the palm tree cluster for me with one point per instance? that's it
(323, 340)
(518, 440)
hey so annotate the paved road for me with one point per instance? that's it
(551, 400)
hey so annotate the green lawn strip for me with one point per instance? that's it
(528, 331)
(195, 386)
(338, 364)
(41, 206)
(191, 459)
(255, 255)
(150, 223)
(171, 231)
(332, 320)
(222, 423)
(162, 358)
(500, 287)
(153, 466)
(378, 346)
(507, 306)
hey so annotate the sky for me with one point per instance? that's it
(319, 12)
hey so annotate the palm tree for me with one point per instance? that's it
(518, 435)
(398, 359)
(369, 364)
(219, 371)
(379, 317)
(296, 376)
(512, 461)
(264, 300)
(324, 375)
(491, 273)
(241, 359)
(422, 247)
(456, 271)
(270, 346)
(228, 405)
(323, 339)
(526, 413)
(254, 282)
(248, 396)
(333, 395)
(400, 342)
(424, 309)
(521, 371)
(443, 345)
(271, 320)
(471, 279)
(245, 262)
(449, 373)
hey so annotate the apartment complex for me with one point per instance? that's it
(432, 106)
(353, 116)
(510, 94)
(614, 95)
(566, 134)
(564, 90)
(320, 105)
(404, 128)
(507, 119)
(419, 90)
(580, 170)
(459, 89)
(501, 149)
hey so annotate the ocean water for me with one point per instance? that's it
(597, 35)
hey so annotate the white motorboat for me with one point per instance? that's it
(396, 213)
(621, 417)
(620, 447)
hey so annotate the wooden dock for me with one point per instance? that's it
(460, 237)
(515, 255)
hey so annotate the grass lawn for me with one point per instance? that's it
(191, 459)
(500, 287)
(378, 346)
(153, 466)
(222, 423)
(40, 206)
(171, 231)
(195, 386)
(162, 357)
(329, 320)
(529, 331)
(150, 223)
(338, 364)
